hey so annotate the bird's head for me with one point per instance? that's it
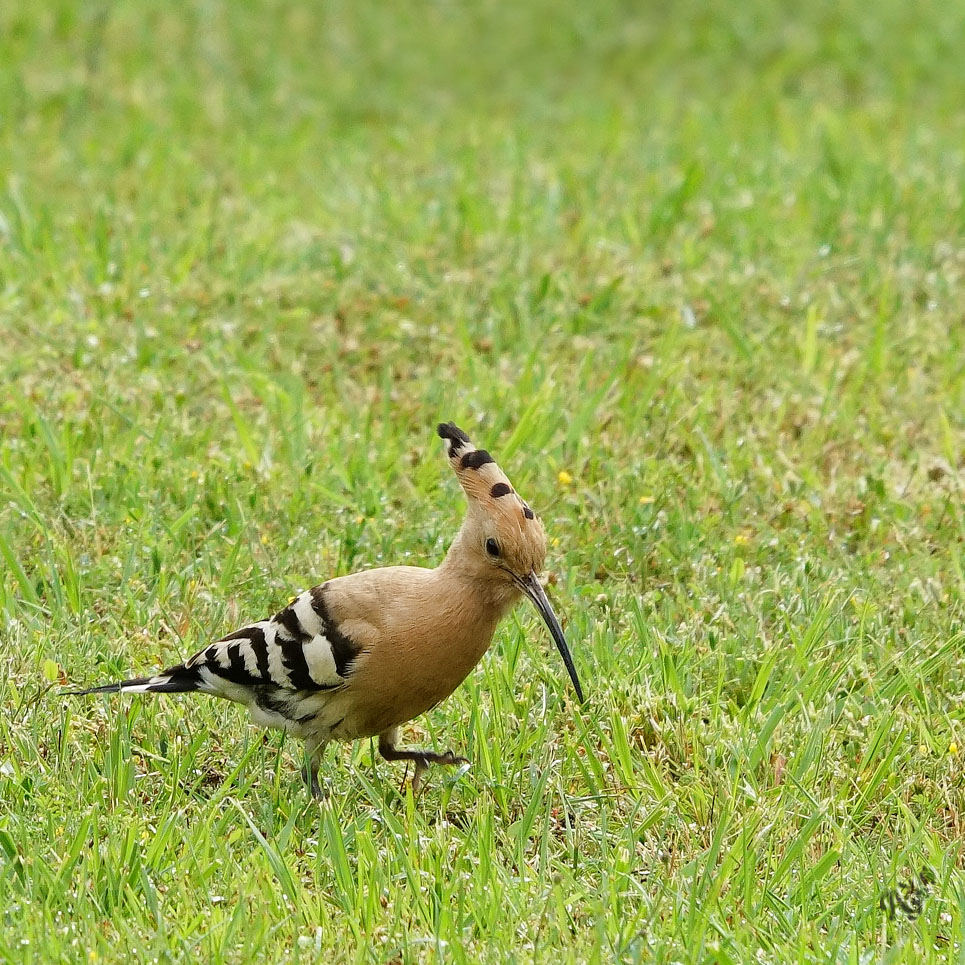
(502, 540)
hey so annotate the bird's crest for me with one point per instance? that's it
(480, 476)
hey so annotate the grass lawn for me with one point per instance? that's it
(694, 272)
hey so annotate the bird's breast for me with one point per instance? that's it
(403, 678)
(419, 633)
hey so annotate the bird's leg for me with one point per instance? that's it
(388, 748)
(314, 748)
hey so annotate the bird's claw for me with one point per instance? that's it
(422, 760)
(311, 779)
(451, 758)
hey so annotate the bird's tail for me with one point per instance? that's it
(177, 680)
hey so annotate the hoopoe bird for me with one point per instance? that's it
(363, 654)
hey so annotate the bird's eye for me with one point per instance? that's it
(492, 547)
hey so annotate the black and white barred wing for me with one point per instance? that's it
(300, 649)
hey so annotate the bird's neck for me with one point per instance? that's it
(476, 578)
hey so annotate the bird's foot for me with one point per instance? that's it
(449, 759)
(311, 779)
(422, 760)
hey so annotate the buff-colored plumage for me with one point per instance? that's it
(362, 654)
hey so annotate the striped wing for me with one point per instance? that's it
(299, 649)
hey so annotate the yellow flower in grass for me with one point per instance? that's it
(564, 478)
(953, 748)
(646, 500)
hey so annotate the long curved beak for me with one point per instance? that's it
(530, 585)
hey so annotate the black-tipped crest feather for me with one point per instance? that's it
(452, 432)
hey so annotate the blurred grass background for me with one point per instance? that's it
(693, 272)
